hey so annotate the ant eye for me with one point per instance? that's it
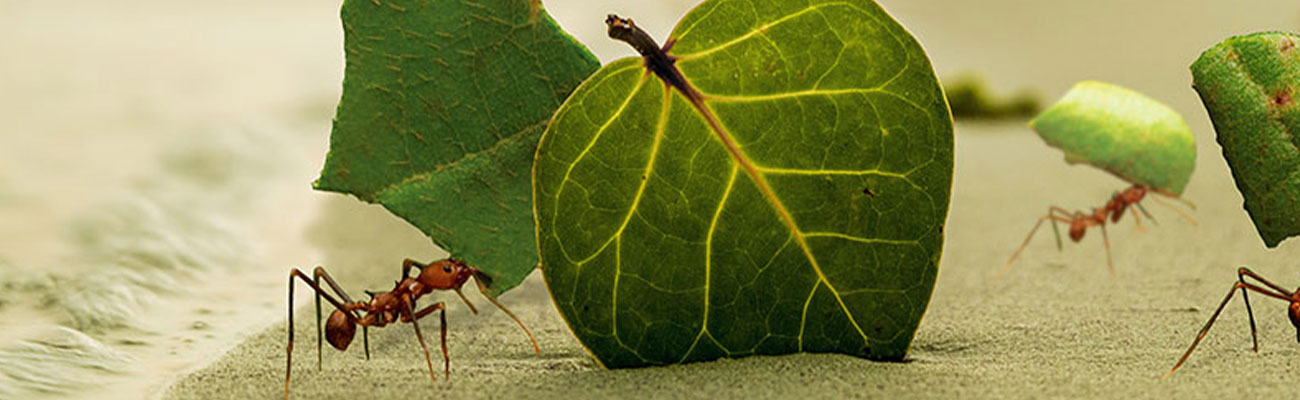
(446, 268)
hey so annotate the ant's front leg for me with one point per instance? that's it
(1244, 272)
(407, 264)
(317, 275)
(1243, 286)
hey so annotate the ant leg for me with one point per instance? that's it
(1247, 272)
(1137, 219)
(440, 306)
(1242, 273)
(1061, 212)
(446, 361)
(483, 289)
(407, 264)
(288, 362)
(317, 275)
(406, 309)
(1239, 285)
(1054, 218)
(1110, 264)
(1151, 218)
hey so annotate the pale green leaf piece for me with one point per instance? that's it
(1249, 85)
(807, 218)
(1123, 132)
(443, 104)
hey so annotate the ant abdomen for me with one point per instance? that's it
(339, 330)
(1295, 319)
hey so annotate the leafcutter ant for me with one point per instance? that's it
(1080, 222)
(396, 305)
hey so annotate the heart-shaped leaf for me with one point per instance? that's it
(443, 103)
(1250, 84)
(795, 202)
(1121, 131)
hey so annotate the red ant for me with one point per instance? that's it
(396, 305)
(1080, 221)
(1272, 290)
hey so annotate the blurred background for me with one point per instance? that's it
(156, 156)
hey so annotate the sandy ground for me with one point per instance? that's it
(1056, 325)
(111, 109)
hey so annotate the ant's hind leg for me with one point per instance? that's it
(319, 274)
(288, 363)
(1050, 216)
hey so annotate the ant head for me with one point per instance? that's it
(339, 330)
(1135, 194)
(446, 274)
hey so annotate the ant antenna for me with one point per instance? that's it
(482, 288)
(466, 300)
(1184, 214)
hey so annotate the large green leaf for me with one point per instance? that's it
(1250, 84)
(443, 103)
(1121, 131)
(808, 218)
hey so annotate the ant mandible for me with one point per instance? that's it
(396, 305)
(1080, 222)
(1269, 289)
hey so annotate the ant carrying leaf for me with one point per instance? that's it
(1127, 134)
(1268, 289)
(1080, 221)
(396, 305)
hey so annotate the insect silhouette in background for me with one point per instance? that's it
(1079, 221)
(393, 306)
(1268, 289)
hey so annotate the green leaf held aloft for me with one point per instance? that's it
(1250, 84)
(1124, 132)
(443, 103)
(797, 204)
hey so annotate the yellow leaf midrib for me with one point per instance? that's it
(760, 180)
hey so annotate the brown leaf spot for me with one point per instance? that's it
(1286, 45)
(1282, 99)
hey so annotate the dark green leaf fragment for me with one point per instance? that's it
(443, 103)
(1249, 85)
(796, 204)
